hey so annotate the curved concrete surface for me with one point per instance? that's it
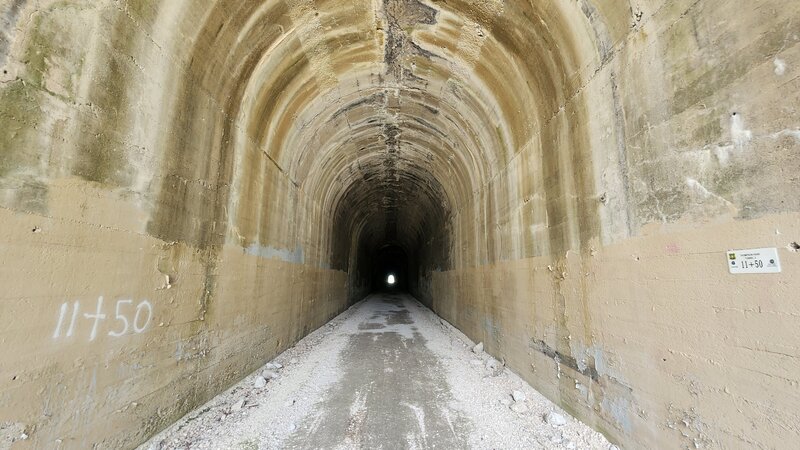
(188, 188)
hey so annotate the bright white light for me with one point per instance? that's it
(391, 280)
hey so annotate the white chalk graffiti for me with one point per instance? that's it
(122, 318)
(136, 328)
(141, 319)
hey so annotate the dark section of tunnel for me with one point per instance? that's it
(390, 260)
(392, 224)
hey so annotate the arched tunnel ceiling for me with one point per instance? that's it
(559, 179)
(393, 113)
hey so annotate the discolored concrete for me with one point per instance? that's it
(188, 188)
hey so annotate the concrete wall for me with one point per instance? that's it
(565, 176)
(594, 261)
(133, 187)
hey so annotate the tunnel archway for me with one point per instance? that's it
(457, 130)
(408, 134)
(560, 176)
(390, 261)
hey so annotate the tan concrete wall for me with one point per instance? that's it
(568, 174)
(649, 340)
(601, 276)
(122, 168)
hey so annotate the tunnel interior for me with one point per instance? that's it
(390, 269)
(410, 148)
(189, 188)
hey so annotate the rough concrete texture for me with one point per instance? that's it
(388, 373)
(188, 188)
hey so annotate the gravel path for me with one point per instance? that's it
(387, 373)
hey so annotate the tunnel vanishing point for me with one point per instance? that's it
(187, 188)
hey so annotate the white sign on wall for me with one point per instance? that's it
(757, 260)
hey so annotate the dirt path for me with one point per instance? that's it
(388, 373)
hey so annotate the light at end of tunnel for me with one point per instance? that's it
(391, 280)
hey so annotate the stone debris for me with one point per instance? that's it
(570, 445)
(555, 419)
(518, 396)
(238, 406)
(260, 383)
(269, 375)
(519, 407)
(290, 402)
(478, 348)
(293, 361)
(494, 367)
(273, 366)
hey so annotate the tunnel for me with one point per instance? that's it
(600, 195)
(389, 269)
